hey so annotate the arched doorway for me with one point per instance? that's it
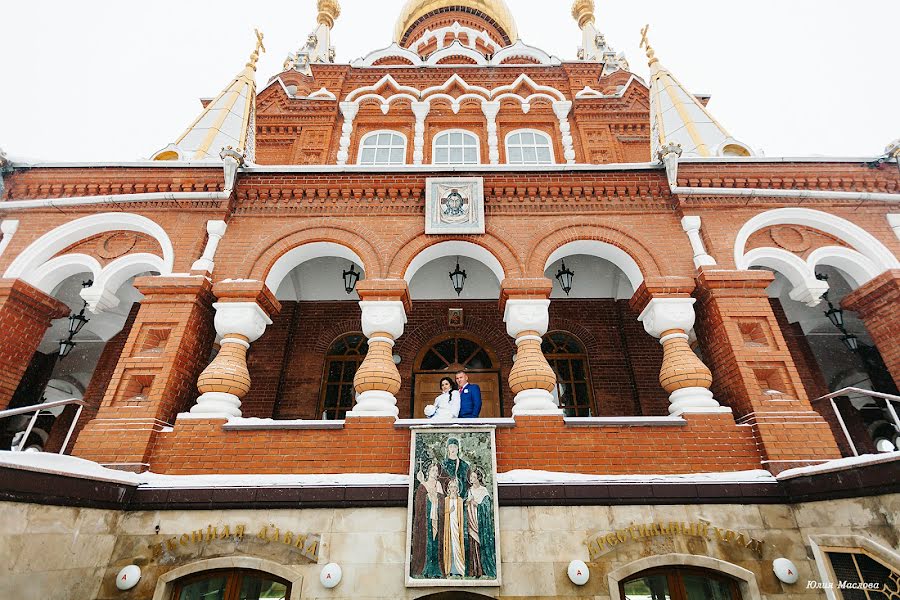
(232, 584)
(443, 357)
(680, 583)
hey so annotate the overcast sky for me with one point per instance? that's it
(118, 80)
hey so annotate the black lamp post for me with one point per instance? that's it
(76, 322)
(458, 277)
(65, 346)
(851, 341)
(350, 279)
(565, 277)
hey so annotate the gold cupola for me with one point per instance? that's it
(495, 13)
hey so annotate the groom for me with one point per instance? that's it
(469, 395)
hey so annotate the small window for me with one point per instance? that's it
(528, 147)
(232, 585)
(568, 359)
(456, 147)
(382, 148)
(341, 364)
(679, 583)
(864, 577)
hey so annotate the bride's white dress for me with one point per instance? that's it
(446, 406)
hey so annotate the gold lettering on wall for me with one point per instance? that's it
(602, 543)
(307, 544)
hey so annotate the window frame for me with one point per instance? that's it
(569, 357)
(233, 580)
(675, 580)
(540, 132)
(375, 133)
(343, 358)
(827, 551)
(434, 147)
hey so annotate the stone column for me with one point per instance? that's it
(25, 315)
(491, 110)
(214, 230)
(167, 347)
(420, 110)
(243, 312)
(562, 109)
(384, 303)
(878, 304)
(349, 110)
(691, 226)
(525, 304)
(754, 372)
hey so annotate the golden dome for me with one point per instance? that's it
(494, 9)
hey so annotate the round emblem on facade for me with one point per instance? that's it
(117, 244)
(128, 577)
(785, 570)
(792, 239)
(578, 572)
(454, 206)
(331, 575)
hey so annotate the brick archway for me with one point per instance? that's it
(408, 251)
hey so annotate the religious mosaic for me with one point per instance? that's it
(454, 205)
(452, 529)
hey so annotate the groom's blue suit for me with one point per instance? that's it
(469, 401)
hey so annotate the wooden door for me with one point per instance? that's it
(428, 387)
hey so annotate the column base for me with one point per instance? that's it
(217, 404)
(375, 403)
(535, 402)
(694, 400)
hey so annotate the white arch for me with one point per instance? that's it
(124, 268)
(603, 250)
(538, 133)
(801, 274)
(455, 248)
(858, 268)
(746, 579)
(56, 270)
(375, 133)
(854, 235)
(165, 584)
(51, 243)
(456, 49)
(297, 256)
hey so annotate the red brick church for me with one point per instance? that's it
(280, 290)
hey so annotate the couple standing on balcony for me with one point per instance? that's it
(453, 403)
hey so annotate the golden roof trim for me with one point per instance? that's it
(495, 9)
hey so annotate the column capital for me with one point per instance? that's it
(248, 290)
(156, 288)
(383, 317)
(734, 283)
(534, 288)
(668, 314)
(379, 290)
(661, 287)
(869, 297)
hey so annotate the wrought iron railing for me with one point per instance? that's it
(36, 409)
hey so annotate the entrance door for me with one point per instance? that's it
(446, 355)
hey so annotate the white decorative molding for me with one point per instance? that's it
(322, 93)
(491, 110)
(457, 49)
(455, 248)
(526, 315)
(165, 584)
(383, 316)
(893, 220)
(561, 109)
(349, 110)
(605, 251)
(240, 318)
(850, 542)
(805, 287)
(534, 402)
(746, 579)
(691, 226)
(694, 400)
(215, 230)
(8, 227)
(420, 110)
(666, 314)
(454, 205)
(214, 404)
(295, 257)
(375, 403)
(521, 49)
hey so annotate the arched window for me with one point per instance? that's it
(529, 147)
(343, 359)
(864, 572)
(232, 584)
(382, 148)
(680, 583)
(456, 147)
(573, 384)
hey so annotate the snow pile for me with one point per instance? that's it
(61, 464)
(549, 477)
(841, 464)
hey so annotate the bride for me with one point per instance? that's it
(446, 406)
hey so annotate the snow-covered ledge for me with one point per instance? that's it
(254, 424)
(496, 422)
(624, 421)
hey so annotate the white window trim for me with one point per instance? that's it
(851, 544)
(375, 133)
(464, 131)
(165, 585)
(535, 131)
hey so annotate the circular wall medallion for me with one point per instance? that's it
(128, 577)
(331, 575)
(117, 244)
(792, 239)
(785, 570)
(578, 572)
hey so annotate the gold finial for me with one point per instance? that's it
(645, 43)
(259, 47)
(329, 10)
(583, 12)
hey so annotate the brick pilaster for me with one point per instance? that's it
(878, 305)
(753, 371)
(167, 348)
(25, 315)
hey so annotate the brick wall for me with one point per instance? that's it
(286, 364)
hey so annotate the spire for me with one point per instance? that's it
(593, 43)
(318, 48)
(677, 117)
(229, 121)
